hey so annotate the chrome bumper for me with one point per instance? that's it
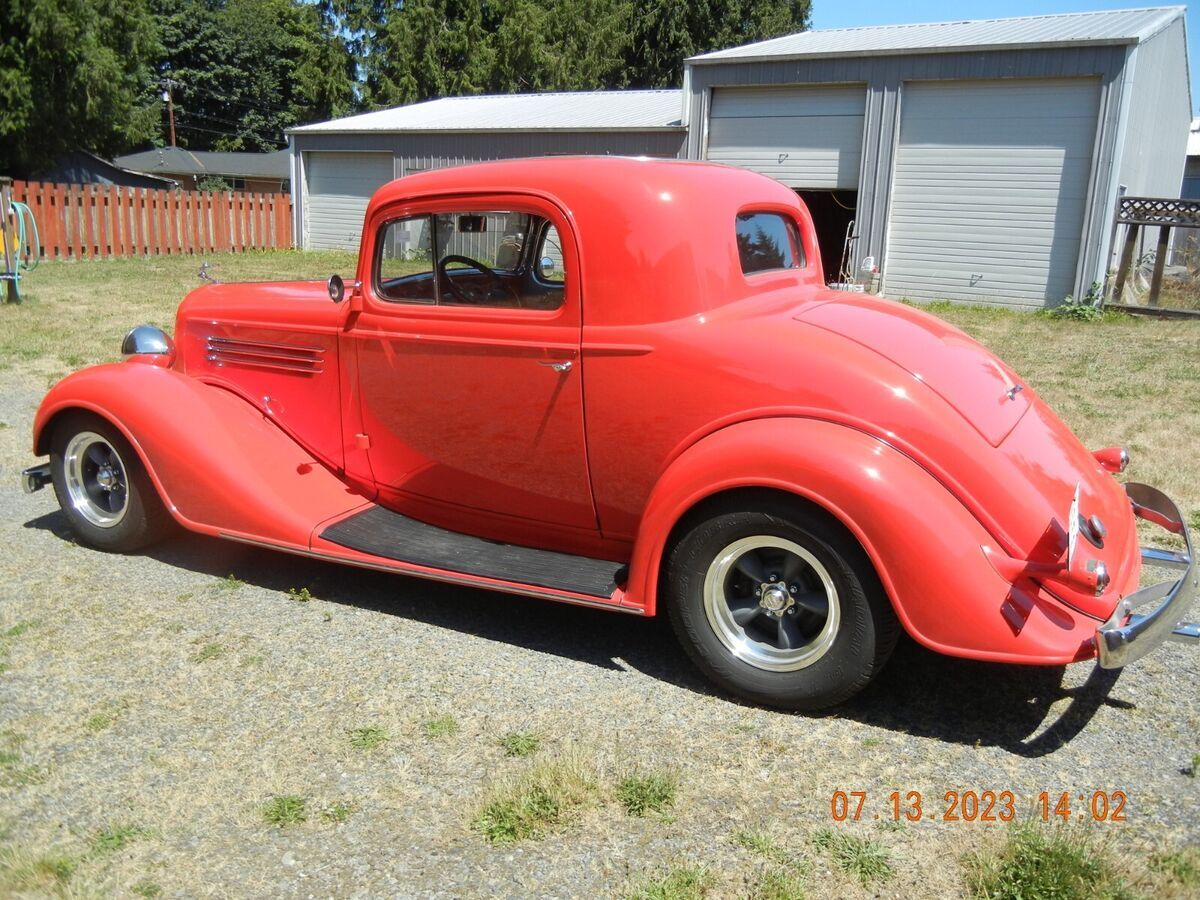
(35, 478)
(1128, 636)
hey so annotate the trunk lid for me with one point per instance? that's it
(978, 386)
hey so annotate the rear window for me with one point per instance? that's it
(768, 241)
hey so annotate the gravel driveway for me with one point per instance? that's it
(169, 696)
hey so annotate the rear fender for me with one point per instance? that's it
(925, 546)
(219, 464)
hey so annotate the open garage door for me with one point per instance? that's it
(990, 190)
(806, 137)
(337, 189)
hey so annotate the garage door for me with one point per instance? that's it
(336, 194)
(806, 137)
(990, 190)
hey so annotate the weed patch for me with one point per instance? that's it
(526, 806)
(440, 727)
(520, 743)
(368, 737)
(336, 813)
(863, 858)
(1037, 862)
(677, 883)
(778, 884)
(207, 652)
(284, 810)
(642, 795)
(116, 838)
(301, 595)
(761, 844)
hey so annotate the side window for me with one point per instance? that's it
(768, 241)
(471, 258)
(405, 268)
(549, 259)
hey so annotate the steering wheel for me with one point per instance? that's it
(468, 293)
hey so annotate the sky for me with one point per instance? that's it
(853, 13)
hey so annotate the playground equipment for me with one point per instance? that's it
(20, 239)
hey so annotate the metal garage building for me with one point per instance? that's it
(337, 165)
(977, 160)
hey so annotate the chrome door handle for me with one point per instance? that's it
(560, 366)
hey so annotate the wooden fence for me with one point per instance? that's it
(85, 221)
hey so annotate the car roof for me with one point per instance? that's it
(672, 220)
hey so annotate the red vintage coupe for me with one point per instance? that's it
(622, 383)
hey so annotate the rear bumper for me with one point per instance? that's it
(1128, 636)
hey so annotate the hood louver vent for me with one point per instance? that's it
(260, 355)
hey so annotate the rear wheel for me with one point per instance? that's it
(103, 488)
(780, 605)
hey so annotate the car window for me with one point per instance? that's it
(768, 241)
(405, 270)
(471, 257)
(550, 257)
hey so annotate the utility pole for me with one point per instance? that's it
(169, 100)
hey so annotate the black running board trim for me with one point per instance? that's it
(383, 533)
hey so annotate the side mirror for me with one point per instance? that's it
(337, 288)
(545, 266)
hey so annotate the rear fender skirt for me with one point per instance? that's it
(218, 463)
(925, 545)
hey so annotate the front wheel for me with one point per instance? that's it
(780, 605)
(102, 487)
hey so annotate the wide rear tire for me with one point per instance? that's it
(103, 488)
(779, 604)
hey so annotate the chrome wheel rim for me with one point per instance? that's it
(771, 603)
(95, 479)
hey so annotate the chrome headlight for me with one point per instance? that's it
(148, 340)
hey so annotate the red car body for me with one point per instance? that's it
(280, 413)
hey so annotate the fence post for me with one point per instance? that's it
(10, 260)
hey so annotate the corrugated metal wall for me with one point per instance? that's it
(886, 76)
(1156, 132)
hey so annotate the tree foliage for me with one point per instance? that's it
(244, 70)
(74, 74)
(87, 74)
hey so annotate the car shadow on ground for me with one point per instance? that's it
(920, 692)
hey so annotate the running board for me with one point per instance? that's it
(388, 535)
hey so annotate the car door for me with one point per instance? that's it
(469, 379)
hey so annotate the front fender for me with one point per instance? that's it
(925, 545)
(219, 464)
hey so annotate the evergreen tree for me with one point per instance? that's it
(74, 74)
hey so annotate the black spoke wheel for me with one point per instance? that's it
(779, 604)
(103, 488)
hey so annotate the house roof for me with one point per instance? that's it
(573, 111)
(178, 161)
(1122, 26)
(82, 167)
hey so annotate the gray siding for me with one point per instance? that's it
(1159, 116)
(886, 76)
(418, 152)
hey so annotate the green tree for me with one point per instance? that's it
(74, 74)
(245, 70)
(665, 32)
